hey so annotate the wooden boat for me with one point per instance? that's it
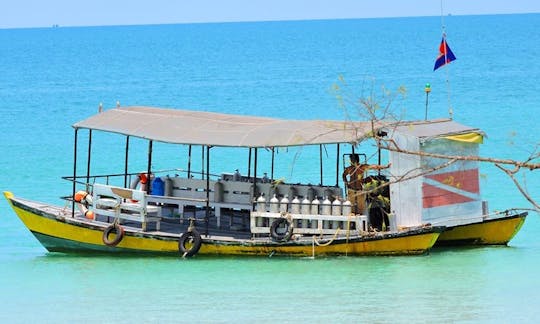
(224, 214)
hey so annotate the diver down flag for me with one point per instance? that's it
(450, 188)
(445, 55)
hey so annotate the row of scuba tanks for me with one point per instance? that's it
(305, 207)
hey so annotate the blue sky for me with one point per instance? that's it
(44, 13)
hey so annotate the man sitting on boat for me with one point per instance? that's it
(353, 177)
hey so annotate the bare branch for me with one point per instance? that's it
(519, 164)
(511, 174)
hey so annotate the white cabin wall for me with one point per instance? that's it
(405, 196)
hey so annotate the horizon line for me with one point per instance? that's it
(54, 25)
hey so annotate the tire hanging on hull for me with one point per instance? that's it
(113, 228)
(189, 243)
(279, 235)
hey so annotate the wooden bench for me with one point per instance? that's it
(123, 203)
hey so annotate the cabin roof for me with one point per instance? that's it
(434, 128)
(217, 129)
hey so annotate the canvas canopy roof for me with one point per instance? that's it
(216, 129)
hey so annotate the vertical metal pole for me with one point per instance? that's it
(249, 164)
(255, 193)
(272, 169)
(149, 184)
(202, 162)
(189, 162)
(321, 161)
(427, 89)
(337, 166)
(126, 162)
(379, 155)
(207, 216)
(88, 159)
(74, 173)
(255, 167)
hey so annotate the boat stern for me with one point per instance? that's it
(496, 231)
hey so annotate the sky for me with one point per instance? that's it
(45, 13)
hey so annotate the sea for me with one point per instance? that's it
(51, 78)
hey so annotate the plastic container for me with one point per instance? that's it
(158, 187)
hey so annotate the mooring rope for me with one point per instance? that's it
(329, 242)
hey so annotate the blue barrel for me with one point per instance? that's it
(158, 187)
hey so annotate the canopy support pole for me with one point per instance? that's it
(337, 165)
(272, 168)
(189, 162)
(74, 174)
(207, 215)
(149, 184)
(321, 162)
(126, 162)
(88, 159)
(254, 178)
(249, 164)
(202, 162)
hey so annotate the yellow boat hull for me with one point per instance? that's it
(490, 232)
(61, 233)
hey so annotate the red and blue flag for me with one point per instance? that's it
(445, 55)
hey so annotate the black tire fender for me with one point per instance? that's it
(192, 237)
(281, 237)
(113, 228)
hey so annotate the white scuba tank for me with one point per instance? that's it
(284, 204)
(346, 208)
(295, 206)
(336, 207)
(336, 211)
(261, 207)
(274, 205)
(305, 209)
(315, 206)
(261, 204)
(306, 206)
(326, 209)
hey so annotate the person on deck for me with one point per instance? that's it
(353, 177)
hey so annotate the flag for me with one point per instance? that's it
(445, 55)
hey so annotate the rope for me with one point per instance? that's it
(348, 235)
(329, 242)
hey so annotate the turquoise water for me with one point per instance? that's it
(51, 78)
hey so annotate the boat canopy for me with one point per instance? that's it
(216, 129)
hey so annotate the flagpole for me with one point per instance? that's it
(443, 27)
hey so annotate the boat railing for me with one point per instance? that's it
(261, 222)
(221, 193)
(126, 179)
(125, 204)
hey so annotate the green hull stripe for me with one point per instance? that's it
(55, 244)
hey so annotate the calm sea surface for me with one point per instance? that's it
(51, 78)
